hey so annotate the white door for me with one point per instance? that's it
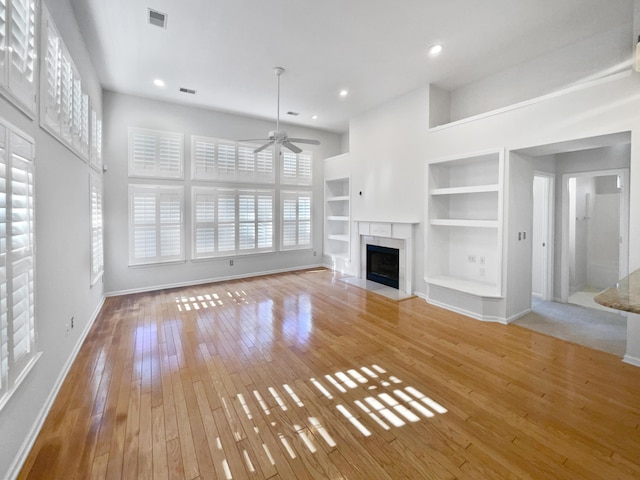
(542, 237)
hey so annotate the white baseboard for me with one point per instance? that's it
(467, 313)
(210, 280)
(513, 318)
(29, 441)
(635, 361)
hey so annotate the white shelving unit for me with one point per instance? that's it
(464, 223)
(337, 218)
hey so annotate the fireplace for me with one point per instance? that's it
(383, 265)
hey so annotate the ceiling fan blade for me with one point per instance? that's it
(291, 147)
(268, 144)
(254, 140)
(304, 140)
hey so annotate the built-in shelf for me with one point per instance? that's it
(457, 222)
(468, 189)
(340, 238)
(337, 218)
(482, 289)
(464, 223)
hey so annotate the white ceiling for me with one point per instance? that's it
(377, 49)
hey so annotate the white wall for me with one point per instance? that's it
(62, 260)
(124, 111)
(390, 145)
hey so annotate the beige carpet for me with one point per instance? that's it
(591, 327)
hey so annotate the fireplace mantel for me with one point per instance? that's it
(392, 234)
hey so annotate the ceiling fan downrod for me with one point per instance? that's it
(278, 71)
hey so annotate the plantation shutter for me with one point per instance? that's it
(22, 51)
(155, 154)
(97, 247)
(21, 237)
(144, 226)
(170, 225)
(226, 221)
(246, 218)
(296, 220)
(52, 101)
(4, 300)
(265, 221)
(204, 204)
(204, 158)
(296, 168)
(156, 226)
(17, 261)
(3, 41)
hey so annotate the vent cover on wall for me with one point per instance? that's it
(158, 19)
(187, 90)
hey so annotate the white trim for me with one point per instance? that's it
(29, 441)
(533, 101)
(467, 313)
(212, 280)
(635, 361)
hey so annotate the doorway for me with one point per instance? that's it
(595, 233)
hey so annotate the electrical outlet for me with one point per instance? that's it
(315, 254)
(66, 329)
(71, 322)
(472, 258)
(519, 236)
(231, 263)
(524, 235)
(481, 259)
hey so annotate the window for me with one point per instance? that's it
(95, 157)
(64, 103)
(296, 168)
(97, 256)
(156, 232)
(17, 259)
(231, 222)
(18, 50)
(296, 220)
(155, 154)
(225, 160)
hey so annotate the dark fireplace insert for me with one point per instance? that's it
(383, 265)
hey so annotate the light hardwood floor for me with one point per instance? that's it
(299, 375)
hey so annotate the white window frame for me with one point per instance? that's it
(96, 201)
(209, 226)
(95, 154)
(227, 160)
(297, 222)
(64, 102)
(17, 256)
(20, 67)
(154, 225)
(148, 151)
(296, 168)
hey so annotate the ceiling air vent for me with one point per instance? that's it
(187, 90)
(294, 114)
(158, 19)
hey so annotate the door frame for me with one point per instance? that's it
(623, 257)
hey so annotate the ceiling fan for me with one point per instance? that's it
(277, 136)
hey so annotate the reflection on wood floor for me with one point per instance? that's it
(299, 375)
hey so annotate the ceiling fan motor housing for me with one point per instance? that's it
(278, 135)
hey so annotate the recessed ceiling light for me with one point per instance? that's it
(344, 93)
(314, 117)
(158, 82)
(435, 49)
